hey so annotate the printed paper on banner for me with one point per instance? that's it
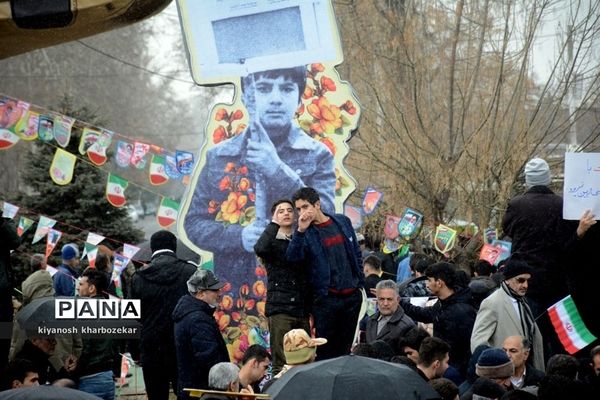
(7, 139)
(185, 162)
(391, 226)
(410, 224)
(11, 112)
(97, 151)
(140, 150)
(505, 248)
(43, 225)
(61, 169)
(371, 200)
(355, 215)
(123, 154)
(115, 190)
(489, 235)
(445, 238)
(171, 167)
(27, 128)
(158, 175)
(46, 128)
(94, 239)
(88, 138)
(490, 253)
(130, 250)
(24, 224)
(167, 212)
(62, 129)
(119, 264)
(51, 240)
(9, 210)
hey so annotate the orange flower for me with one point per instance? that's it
(238, 114)
(227, 287)
(244, 290)
(227, 303)
(231, 209)
(225, 183)
(308, 92)
(250, 304)
(259, 289)
(244, 184)
(219, 134)
(224, 321)
(251, 196)
(300, 109)
(236, 316)
(348, 106)
(221, 114)
(260, 307)
(240, 128)
(328, 115)
(243, 170)
(239, 303)
(241, 201)
(329, 143)
(229, 167)
(317, 67)
(328, 84)
(260, 271)
(316, 128)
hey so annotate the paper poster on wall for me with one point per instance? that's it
(581, 185)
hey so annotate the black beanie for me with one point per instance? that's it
(163, 240)
(515, 267)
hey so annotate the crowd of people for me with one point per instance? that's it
(485, 336)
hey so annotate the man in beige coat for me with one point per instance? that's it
(506, 313)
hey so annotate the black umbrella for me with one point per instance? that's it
(183, 252)
(351, 377)
(38, 312)
(46, 393)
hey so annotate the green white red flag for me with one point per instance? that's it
(158, 175)
(569, 326)
(115, 190)
(51, 240)
(167, 212)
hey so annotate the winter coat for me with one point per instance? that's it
(534, 223)
(307, 245)
(453, 320)
(481, 287)
(198, 342)
(496, 320)
(64, 281)
(415, 287)
(394, 329)
(159, 286)
(9, 240)
(371, 282)
(287, 288)
(40, 361)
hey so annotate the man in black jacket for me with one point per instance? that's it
(288, 301)
(9, 240)
(198, 340)
(159, 286)
(452, 316)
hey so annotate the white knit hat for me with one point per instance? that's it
(537, 173)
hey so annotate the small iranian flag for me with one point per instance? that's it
(569, 326)
(115, 190)
(7, 139)
(158, 175)
(167, 212)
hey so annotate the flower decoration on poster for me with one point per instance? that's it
(238, 207)
(230, 122)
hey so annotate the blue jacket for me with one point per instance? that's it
(198, 343)
(305, 162)
(308, 246)
(64, 281)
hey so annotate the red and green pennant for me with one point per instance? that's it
(158, 174)
(115, 190)
(24, 224)
(51, 240)
(167, 212)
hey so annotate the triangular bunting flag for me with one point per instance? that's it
(167, 212)
(9, 210)
(61, 169)
(92, 252)
(62, 129)
(97, 151)
(44, 224)
(115, 190)
(158, 175)
(130, 250)
(92, 238)
(51, 241)
(24, 224)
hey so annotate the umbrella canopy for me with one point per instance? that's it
(183, 252)
(46, 393)
(37, 313)
(351, 377)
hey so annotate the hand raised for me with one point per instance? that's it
(586, 221)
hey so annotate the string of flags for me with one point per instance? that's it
(19, 121)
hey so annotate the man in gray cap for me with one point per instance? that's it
(538, 231)
(198, 340)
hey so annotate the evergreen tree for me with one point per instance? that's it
(79, 205)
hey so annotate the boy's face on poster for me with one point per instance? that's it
(276, 101)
